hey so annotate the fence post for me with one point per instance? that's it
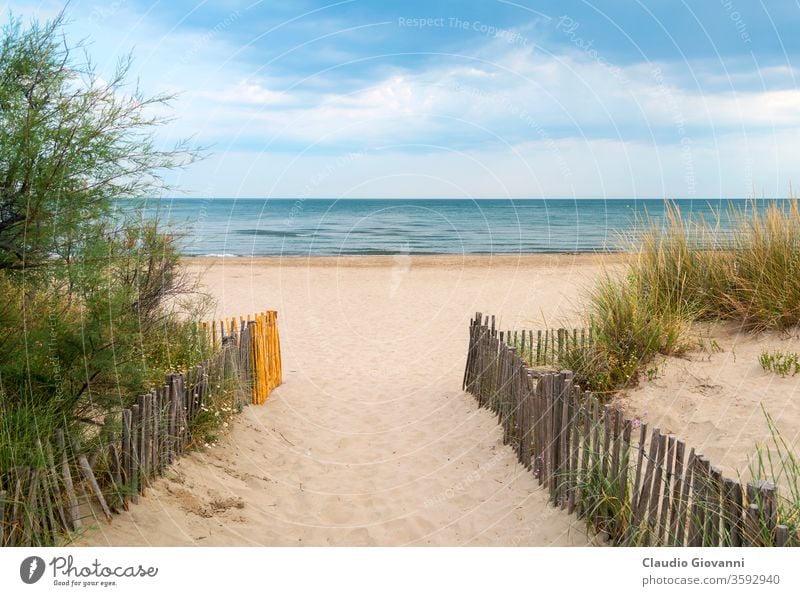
(672, 528)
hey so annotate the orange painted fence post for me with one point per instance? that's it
(266, 368)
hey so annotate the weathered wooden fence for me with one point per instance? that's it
(547, 347)
(42, 505)
(638, 489)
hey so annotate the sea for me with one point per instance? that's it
(331, 227)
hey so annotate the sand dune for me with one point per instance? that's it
(713, 398)
(370, 440)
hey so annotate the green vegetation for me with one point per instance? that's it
(778, 460)
(630, 326)
(781, 363)
(751, 278)
(93, 305)
(681, 274)
(607, 501)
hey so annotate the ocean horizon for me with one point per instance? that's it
(332, 227)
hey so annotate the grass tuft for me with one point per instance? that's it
(781, 363)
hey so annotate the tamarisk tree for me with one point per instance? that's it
(71, 144)
(88, 290)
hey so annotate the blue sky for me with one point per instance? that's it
(481, 98)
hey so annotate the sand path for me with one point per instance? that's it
(370, 441)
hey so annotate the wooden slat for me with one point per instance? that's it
(575, 446)
(655, 492)
(707, 501)
(564, 451)
(637, 483)
(674, 506)
(528, 428)
(538, 348)
(624, 470)
(596, 452)
(74, 514)
(56, 486)
(89, 475)
(608, 432)
(585, 449)
(143, 442)
(616, 448)
(663, 522)
(732, 513)
(637, 480)
(752, 524)
(46, 504)
(116, 476)
(155, 432)
(134, 477)
(549, 388)
(127, 454)
(714, 506)
(781, 535)
(697, 516)
(683, 503)
(555, 439)
(769, 506)
(536, 413)
(642, 506)
(466, 383)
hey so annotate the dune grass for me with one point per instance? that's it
(688, 269)
(684, 271)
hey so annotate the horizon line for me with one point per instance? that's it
(555, 198)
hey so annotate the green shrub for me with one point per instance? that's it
(90, 311)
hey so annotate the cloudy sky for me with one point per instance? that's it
(483, 98)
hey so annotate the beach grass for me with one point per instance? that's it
(684, 271)
(690, 269)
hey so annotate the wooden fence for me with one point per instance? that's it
(635, 488)
(43, 505)
(258, 337)
(546, 347)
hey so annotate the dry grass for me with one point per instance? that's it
(685, 271)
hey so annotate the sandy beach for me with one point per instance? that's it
(370, 441)
(712, 398)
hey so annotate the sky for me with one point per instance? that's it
(464, 99)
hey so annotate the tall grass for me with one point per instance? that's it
(683, 271)
(777, 461)
(680, 267)
(687, 269)
(766, 267)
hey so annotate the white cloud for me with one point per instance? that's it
(512, 121)
(243, 92)
(519, 93)
(730, 165)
